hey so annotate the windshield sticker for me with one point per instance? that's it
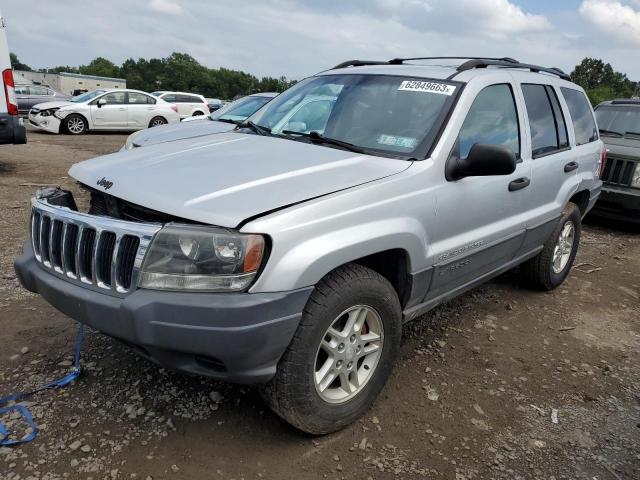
(427, 87)
(392, 140)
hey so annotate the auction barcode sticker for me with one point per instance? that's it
(427, 87)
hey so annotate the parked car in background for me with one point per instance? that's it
(214, 104)
(30, 95)
(111, 109)
(619, 124)
(223, 120)
(189, 104)
(292, 259)
(11, 125)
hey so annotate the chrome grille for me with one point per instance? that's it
(100, 253)
(619, 171)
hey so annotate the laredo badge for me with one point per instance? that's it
(427, 87)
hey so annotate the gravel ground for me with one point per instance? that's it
(501, 383)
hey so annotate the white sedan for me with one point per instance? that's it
(103, 110)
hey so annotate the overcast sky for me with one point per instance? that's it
(297, 38)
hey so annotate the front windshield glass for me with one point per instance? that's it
(622, 120)
(241, 109)
(85, 97)
(378, 113)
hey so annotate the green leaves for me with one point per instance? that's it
(602, 82)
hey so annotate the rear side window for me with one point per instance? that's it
(135, 98)
(170, 98)
(546, 122)
(492, 120)
(581, 116)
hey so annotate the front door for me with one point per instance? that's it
(112, 114)
(478, 223)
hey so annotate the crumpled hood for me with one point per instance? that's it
(179, 131)
(224, 179)
(56, 104)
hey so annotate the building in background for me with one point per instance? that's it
(68, 83)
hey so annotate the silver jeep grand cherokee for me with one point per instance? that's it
(289, 252)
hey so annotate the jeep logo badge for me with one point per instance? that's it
(104, 183)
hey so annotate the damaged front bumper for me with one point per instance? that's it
(44, 120)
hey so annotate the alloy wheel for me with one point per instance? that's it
(348, 354)
(564, 247)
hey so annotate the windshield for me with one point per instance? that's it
(241, 109)
(87, 96)
(618, 120)
(378, 114)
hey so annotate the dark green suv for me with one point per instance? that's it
(619, 124)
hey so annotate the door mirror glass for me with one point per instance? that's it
(482, 161)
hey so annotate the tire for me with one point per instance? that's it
(197, 113)
(351, 290)
(539, 272)
(75, 124)
(157, 121)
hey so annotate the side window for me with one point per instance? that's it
(115, 98)
(22, 90)
(581, 117)
(492, 120)
(171, 98)
(135, 98)
(38, 90)
(546, 122)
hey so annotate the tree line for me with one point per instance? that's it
(177, 72)
(182, 72)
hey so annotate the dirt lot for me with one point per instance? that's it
(472, 397)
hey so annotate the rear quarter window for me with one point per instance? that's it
(584, 124)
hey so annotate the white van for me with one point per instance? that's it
(11, 125)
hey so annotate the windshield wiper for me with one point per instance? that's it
(319, 138)
(259, 129)
(226, 120)
(611, 133)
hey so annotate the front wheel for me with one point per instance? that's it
(342, 353)
(157, 121)
(550, 267)
(75, 124)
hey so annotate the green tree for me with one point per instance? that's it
(17, 64)
(602, 82)
(101, 67)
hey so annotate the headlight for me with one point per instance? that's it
(48, 113)
(128, 144)
(636, 177)
(202, 259)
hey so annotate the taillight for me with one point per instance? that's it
(10, 92)
(603, 161)
(174, 108)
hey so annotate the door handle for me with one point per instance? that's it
(571, 166)
(519, 184)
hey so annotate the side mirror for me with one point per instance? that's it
(482, 161)
(101, 102)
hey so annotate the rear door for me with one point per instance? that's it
(479, 221)
(553, 161)
(113, 114)
(140, 109)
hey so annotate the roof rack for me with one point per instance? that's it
(626, 101)
(510, 63)
(400, 61)
(470, 64)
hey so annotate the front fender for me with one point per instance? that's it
(293, 264)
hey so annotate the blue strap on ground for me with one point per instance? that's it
(24, 411)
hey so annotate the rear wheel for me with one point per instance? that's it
(197, 113)
(157, 121)
(551, 266)
(75, 124)
(342, 353)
